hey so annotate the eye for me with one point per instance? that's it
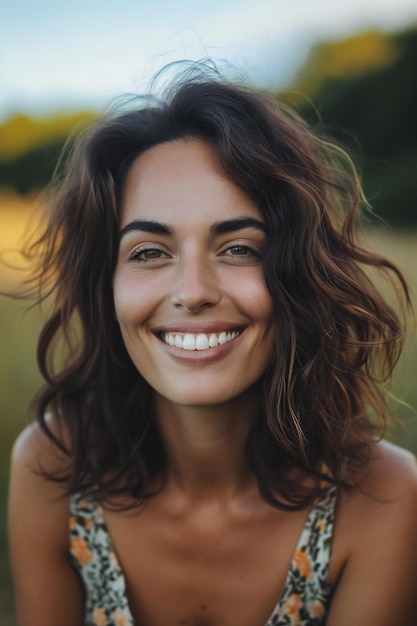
(243, 252)
(147, 255)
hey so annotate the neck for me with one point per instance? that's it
(206, 446)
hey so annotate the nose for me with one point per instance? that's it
(195, 286)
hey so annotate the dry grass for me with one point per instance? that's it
(15, 213)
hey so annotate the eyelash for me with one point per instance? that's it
(136, 254)
(250, 252)
(241, 246)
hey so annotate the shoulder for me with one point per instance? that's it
(392, 456)
(381, 511)
(391, 474)
(35, 450)
(375, 543)
(391, 460)
(47, 588)
(387, 486)
(34, 457)
(32, 495)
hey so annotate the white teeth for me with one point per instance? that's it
(222, 338)
(213, 341)
(200, 341)
(188, 343)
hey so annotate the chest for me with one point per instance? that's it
(205, 570)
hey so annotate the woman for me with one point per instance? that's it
(207, 437)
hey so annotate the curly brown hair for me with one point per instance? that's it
(339, 339)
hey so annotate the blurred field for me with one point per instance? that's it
(18, 376)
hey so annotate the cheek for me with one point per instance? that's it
(131, 301)
(255, 296)
(122, 306)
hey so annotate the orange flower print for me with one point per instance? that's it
(88, 522)
(120, 618)
(316, 609)
(99, 617)
(291, 608)
(80, 551)
(321, 525)
(73, 522)
(302, 563)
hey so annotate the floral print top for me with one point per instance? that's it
(307, 590)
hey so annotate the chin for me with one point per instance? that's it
(207, 396)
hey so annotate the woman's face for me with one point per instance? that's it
(189, 292)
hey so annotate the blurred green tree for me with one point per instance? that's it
(33, 169)
(30, 148)
(363, 92)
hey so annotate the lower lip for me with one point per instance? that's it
(201, 356)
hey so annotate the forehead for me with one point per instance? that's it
(180, 180)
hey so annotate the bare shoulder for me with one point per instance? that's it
(34, 447)
(32, 493)
(47, 588)
(375, 543)
(392, 457)
(385, 499)
(387, 486)
(392, 473)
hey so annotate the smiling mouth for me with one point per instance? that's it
(200, 341)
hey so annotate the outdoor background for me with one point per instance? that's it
(349, 69)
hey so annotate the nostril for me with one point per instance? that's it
(193, 300)
(196, 285)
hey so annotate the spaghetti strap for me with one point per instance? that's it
(307, 592)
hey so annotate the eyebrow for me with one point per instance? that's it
(147, 226)
(238, 223)
(219, 228)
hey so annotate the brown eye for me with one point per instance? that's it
(241, 251)
(147, 255)
(151, 254)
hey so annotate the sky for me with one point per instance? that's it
(57, 55)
